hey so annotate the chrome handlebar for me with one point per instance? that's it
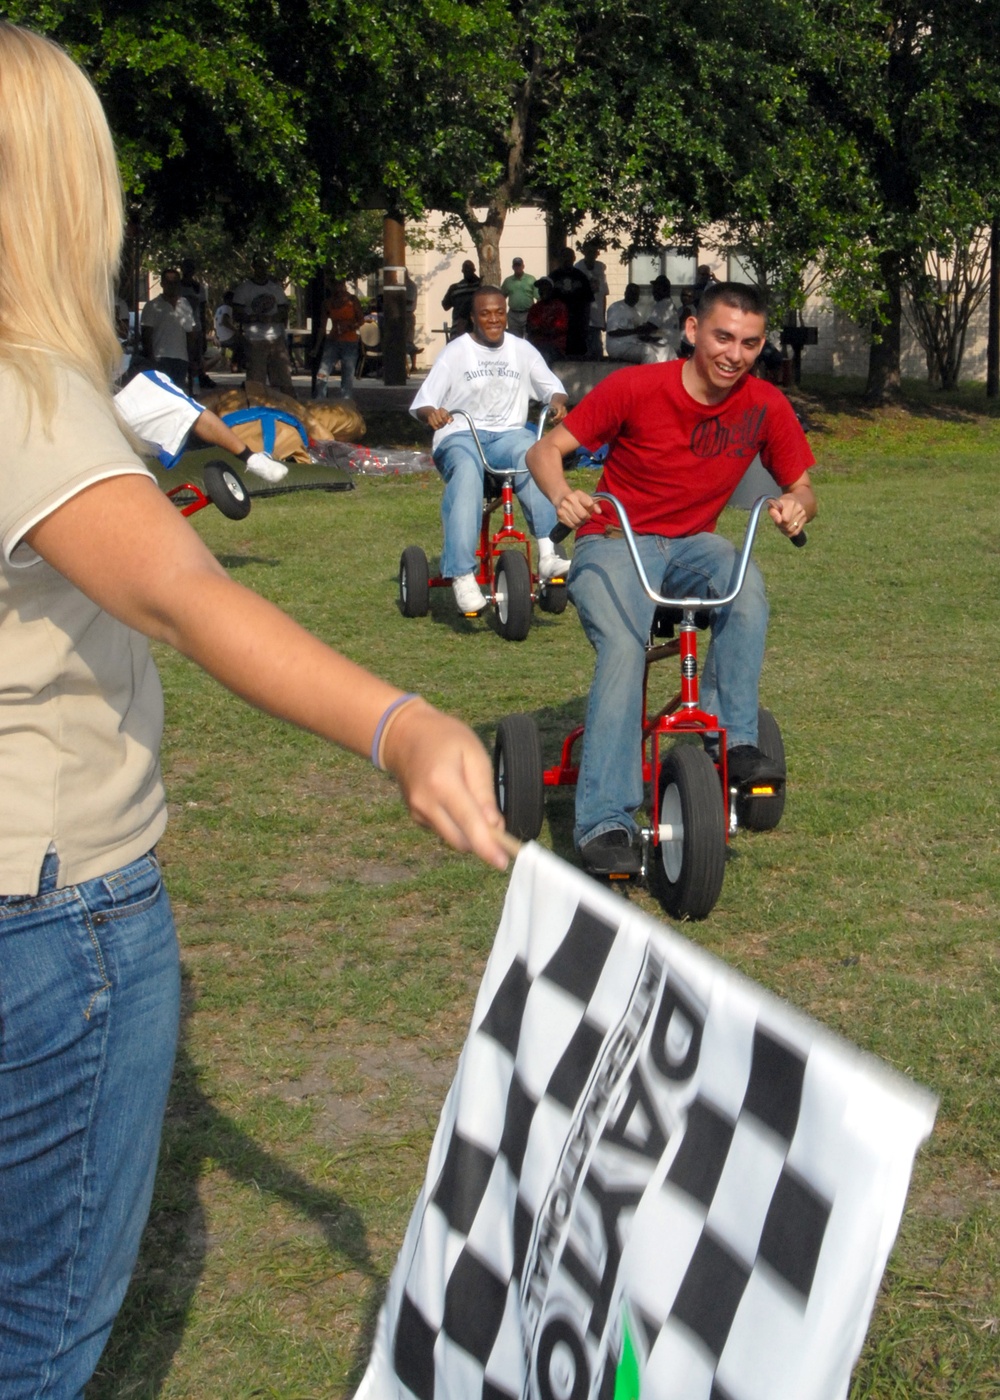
(497, 471)
(693, 604)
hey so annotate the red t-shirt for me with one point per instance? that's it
(547, 323)
(673, 462)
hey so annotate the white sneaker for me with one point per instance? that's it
(552, 566)
(468, 594)
(262, 465)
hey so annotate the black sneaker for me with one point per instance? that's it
(611, 853)
(746, 764)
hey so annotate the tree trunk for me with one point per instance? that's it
(394, 300)
(883, 385)
(556, 234)
(993, 336)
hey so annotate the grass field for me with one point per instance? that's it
(332, 951)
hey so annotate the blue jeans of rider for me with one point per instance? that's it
(462, 507)
(89, 1009)
(616, 615)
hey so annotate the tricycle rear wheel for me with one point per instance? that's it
(518, 778)
(414, 582)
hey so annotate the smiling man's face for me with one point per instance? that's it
(726, 344)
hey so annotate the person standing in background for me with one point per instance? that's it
(194, 293)
(458, 299)
(521, 292)
(548, 321)
(597, 275)
(260, 310)
(168, 329)
(573, 288)
(344, 315)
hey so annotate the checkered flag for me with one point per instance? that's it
(650, 1179)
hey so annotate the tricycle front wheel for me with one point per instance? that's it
(512, 595)
(688, 863)
(225, 489)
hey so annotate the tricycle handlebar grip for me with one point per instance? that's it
(560, 533)
(798, 540)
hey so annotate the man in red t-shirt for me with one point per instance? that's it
(680, 435)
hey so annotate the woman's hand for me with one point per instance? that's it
(446, 779)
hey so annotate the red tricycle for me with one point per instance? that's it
(503, 571)
(698, 809)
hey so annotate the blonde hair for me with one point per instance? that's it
(60, 220)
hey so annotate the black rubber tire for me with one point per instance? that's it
(518, 779)
(225, 489)
(764, 813)
(414, 585)
(553, 597)
(512, 595)
(686, 874)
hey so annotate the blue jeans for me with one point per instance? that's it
(89, 1011)
(462, 507)
(346, 351)
(616, 615)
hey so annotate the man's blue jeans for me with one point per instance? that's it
(462, 507)
(616, 615)
(89, 1010)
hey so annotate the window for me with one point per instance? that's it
(676, 263)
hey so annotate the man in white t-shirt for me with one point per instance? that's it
(260, 310)
(629, 337)
(492, 376)
(168, 329)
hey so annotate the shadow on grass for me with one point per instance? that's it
(240, 561)
(197, 1138)
(443, 612)
(829, 394)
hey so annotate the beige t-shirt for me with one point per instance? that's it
(81, 710)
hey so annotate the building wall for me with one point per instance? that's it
(842, 347)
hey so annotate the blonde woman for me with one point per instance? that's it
(94, 560)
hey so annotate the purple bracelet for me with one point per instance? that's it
(380, 727)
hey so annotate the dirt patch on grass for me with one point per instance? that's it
(372, 1091)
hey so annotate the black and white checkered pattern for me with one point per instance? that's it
(626, 1149)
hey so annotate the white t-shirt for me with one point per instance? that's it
(223, 333)
(158, 412)
(664, 317)
(493, 384)
(262, 305)
(170, 325)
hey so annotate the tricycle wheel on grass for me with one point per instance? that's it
(518, 776)
(414, 590)
(553, 597)
(764, 813)
(687, 867)
(226, 491)
(512, 595)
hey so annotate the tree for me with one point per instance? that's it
(914, 87)
(944, 289)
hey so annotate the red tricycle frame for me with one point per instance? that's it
(504, 560)
(695, 808)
